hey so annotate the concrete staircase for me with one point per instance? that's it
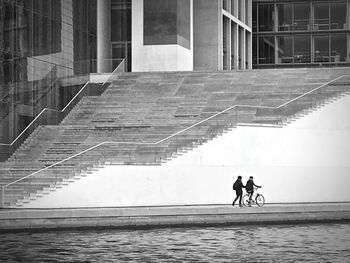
(150, 118)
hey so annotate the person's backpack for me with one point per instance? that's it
(235, 185)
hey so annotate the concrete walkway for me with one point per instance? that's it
(165, 216)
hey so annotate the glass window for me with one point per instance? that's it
(302, 16)
(265, 17)
(338, 15)
(121, 21)
(255, 50)
(285, 49)
(338, 47)
(321, 14)
(321, 48)
(302, 49)
(254, 17)
(285, 17)
(266, 50)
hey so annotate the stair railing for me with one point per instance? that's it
(200, 125)
(51, 116)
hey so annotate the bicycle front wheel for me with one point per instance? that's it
(245, 200)
(260, 200)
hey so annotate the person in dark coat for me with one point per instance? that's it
(238, 187)
(249, 187)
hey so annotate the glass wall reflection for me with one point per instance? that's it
(266, 50)
(121, 31)
(285, 49)
(301, 16)
(304, 32)
(285, 16)
(265, 17)
(321, 16)
(41, 42)
(338, 15)
(321, 48)
(339, 47)
(302, 49)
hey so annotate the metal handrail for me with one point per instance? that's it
(61, 111)
(170, 136)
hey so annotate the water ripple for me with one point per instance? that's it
(284, 243)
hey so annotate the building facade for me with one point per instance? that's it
(45, 44)
(289, 33)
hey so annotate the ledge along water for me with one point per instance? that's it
(167, 216)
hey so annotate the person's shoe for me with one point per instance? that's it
(240, 205)
(233, 204)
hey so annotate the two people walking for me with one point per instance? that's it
(238, 187)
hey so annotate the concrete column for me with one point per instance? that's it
(235, 43)
(276, 15)
(242, 47)
(348, 28)
(250, 12)
(229, 50)
(348, 55)
(276, 50)
(104, 50)
(221, 38)
(243, 12)
(249, 50)
(235, 8)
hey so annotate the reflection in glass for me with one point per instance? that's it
(338, 47)
(36, 35)
(254, 17)
(302, 49)
(285, 17)
(285, 49)
(338, 15)
(266, 50)
(121, 20)
(321, 48)
(265, 17)
(255, 50)
(302, 16)
(321, 14)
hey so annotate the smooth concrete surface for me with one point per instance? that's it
(167, 216)
(206, 35)
(147, 58)
(306, 161)
(104, 36)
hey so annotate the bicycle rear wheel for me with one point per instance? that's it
(245, 200)
(260, 200)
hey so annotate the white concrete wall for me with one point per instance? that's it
(37, 68)
(157, 57)
(306, 161)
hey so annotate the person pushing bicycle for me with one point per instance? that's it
(249, 187)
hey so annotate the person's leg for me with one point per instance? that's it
(234, 201)
(250, 195)
(240, 198)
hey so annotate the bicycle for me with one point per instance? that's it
(257, 199)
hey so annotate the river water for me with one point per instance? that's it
(277, 243)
